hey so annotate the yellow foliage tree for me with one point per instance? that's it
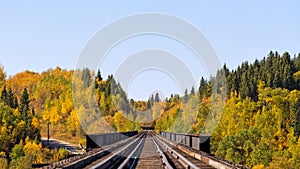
(34, 151)
(73, 124)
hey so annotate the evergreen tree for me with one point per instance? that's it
(193, 91)
(253, 89)
(277, 81)
(86, 77)
(244, 86)
(111, 86)
(296, 62)
(151, 100)
(287, 77)
(208, 89)
(24, 105)
(156, 99)
(148, 104)
(4, 96)
(236, 79)
(186, 96)
(12, 100)
(99, 77)
(202, 88)
(296, 124)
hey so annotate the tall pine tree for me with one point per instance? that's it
(24, 105)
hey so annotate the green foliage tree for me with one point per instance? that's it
(296, 118)
(261, 154)
(17, 152)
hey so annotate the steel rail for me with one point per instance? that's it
(117, 153)
(164, 158)
(69, 161)
(131, 154)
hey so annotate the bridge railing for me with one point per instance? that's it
(198, 142)
(103, 139)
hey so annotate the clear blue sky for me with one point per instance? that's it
(37, 35)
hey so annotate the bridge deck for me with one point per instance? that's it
(149, 158)
(143, 152)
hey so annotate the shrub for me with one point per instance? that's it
(63, 153)
(3, 163)
(16, 152)
(35, 151)
(23, 162)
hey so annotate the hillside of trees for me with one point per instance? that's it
(258, 108)
(30, 101)
(21, 125)
(260, 120)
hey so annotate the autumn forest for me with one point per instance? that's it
(253, 115)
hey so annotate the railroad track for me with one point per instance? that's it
(81, 161)
(147, 152)
(181, 159)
